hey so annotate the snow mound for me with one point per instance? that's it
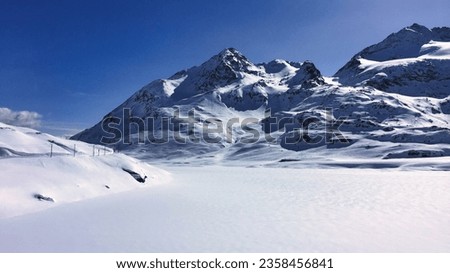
(29, 175)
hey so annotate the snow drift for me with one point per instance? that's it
(31, 180)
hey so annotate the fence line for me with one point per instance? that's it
(97, 150)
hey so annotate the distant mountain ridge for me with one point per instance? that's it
(405, 43)
(397, 91)
(414, 58)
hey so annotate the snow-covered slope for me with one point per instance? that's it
(31, 180)
(414, 61)
(390, 101)
(230, 209)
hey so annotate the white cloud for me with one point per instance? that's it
(20, 118)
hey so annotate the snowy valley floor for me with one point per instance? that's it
(238, 209)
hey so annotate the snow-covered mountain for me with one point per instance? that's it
(40, 171)
(392, 100)
(414, 61)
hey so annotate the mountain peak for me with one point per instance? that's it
(224, 68)
(232, 58)
(436, 33)
(418, 28)
(228, 62)
(411, 57)
(405, 43)
(441, 34)
(230, 51)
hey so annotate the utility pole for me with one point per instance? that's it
(51, 149)
(93, 150)
(74, 149)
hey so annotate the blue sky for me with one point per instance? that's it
(74, 61)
